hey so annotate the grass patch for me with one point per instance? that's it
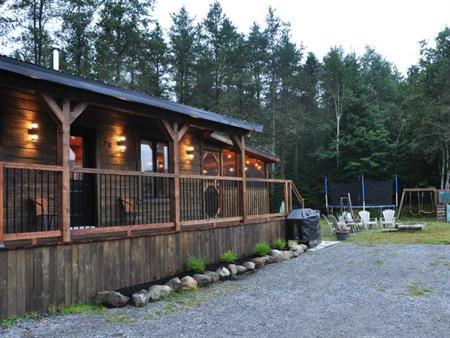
(82, 309)
(182, 300)
(435, 233)
(122, 318)
(378, 262)
(13, 320)
(417, 291)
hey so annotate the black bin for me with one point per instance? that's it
(303, 225)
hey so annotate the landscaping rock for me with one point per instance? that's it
(140, 298)
(259, 262)
(269, 259)
(174, 284)
(158, 291)
(202, 279)
(280, 258)
(188, 283)
(223, 272)
(249, 265)
(241, 269)
(304, 247)
(233, 269)
(288, 254)
(213, 275)
(275, 252)
(298, 249)
(111, 299)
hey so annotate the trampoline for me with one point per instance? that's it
(364, 193)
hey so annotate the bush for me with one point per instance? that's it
(262, 249)
(228, 257)
(197, 265)
(279, 244)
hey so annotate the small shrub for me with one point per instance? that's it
(279, 244)
(197, 265)
(262, 249)
(9, 322)
(228, 257)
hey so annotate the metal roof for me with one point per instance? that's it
(40, 73)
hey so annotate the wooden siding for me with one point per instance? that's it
(18, 110)
(36, 278)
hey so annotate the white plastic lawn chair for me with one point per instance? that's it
(366, 220)
(388, 218)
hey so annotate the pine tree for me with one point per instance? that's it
(118, 34)
(183, 39)
(32, 17)
(77, 34)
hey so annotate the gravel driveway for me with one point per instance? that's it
(341, 291)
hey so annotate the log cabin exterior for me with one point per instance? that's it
(105, 188)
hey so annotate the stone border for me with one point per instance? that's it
(188, 282)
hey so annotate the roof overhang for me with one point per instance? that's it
(40, 73)
(260, 154)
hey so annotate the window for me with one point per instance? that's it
(146, 156)
(255, 168)
(211, 163)
(154, 158)
(229, 163)
(76, 151)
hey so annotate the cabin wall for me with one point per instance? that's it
(18, 111)
(37, 278)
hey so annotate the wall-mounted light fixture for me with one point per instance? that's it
(190, 152)
(32, 132)
(121, 143)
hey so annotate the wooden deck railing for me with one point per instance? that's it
(30, 201)
(107, 201)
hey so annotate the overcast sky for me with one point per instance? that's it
(393, 27)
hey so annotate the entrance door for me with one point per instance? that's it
(83, 190)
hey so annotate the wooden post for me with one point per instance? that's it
(2, 224)
(174, 134)
(286, 197)
(244, 181)
(65, 162)
(176, 179)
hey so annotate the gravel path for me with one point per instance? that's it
(341, 291)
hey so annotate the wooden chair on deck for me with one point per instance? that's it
(132, 207)
(42, 210)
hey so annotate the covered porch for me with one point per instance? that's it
(82, 164)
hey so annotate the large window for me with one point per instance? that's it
(154, 158)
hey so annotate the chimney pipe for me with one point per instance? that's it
(55, 58)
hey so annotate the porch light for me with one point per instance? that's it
(190, 152)
(32, 132)
(121, 143)
(231, 170)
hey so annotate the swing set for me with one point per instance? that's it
(416, 201)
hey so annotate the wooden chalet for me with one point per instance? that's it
(106, 188)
